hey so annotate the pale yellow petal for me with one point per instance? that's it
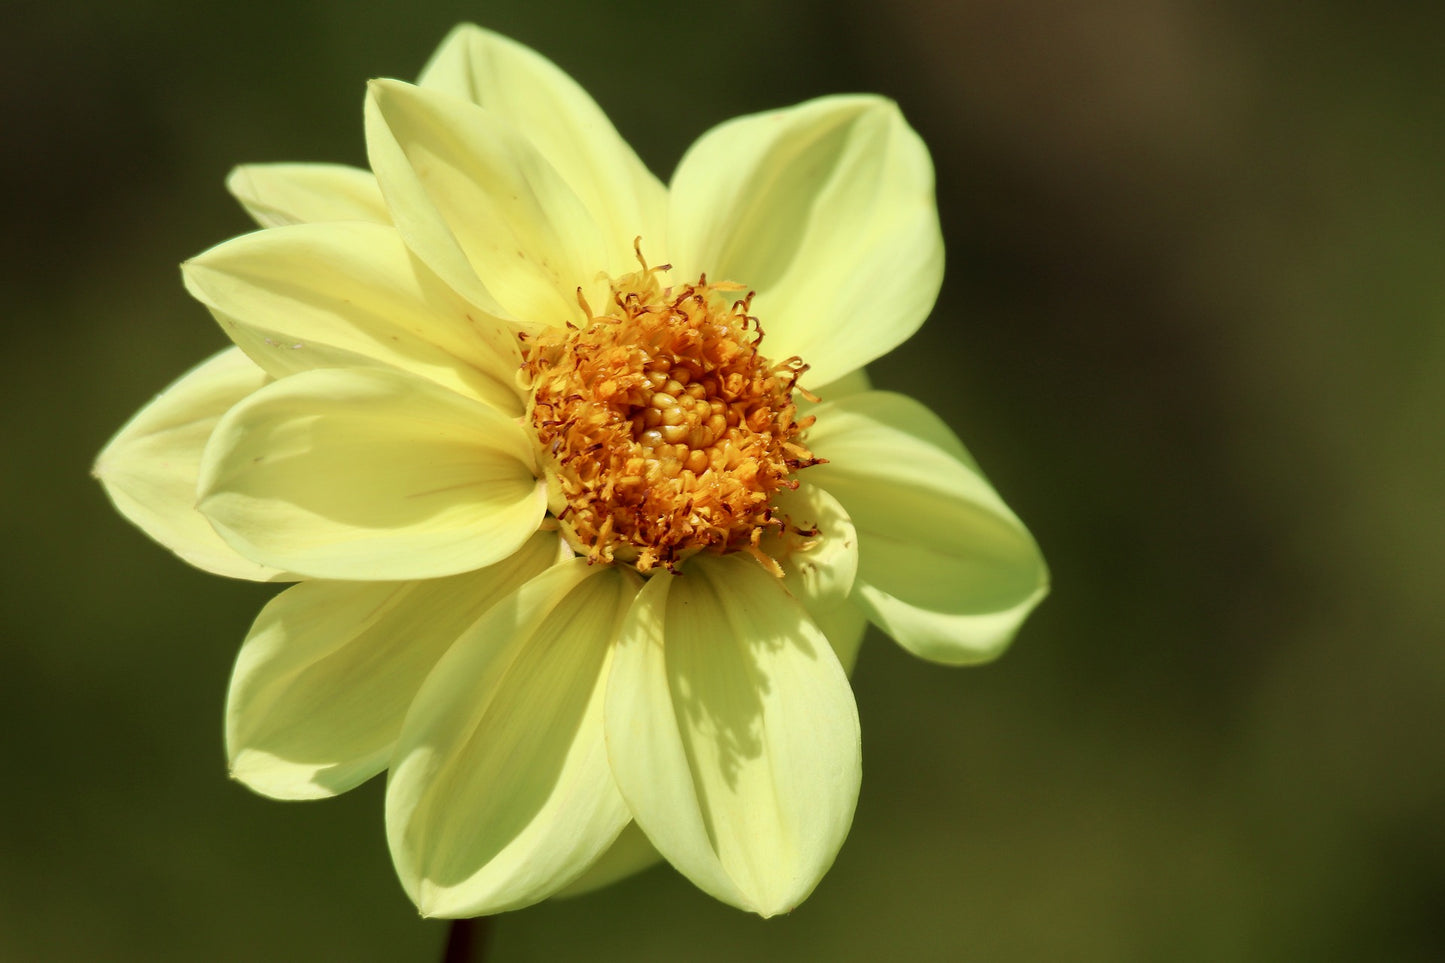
(629, 854)
(819, 564)
(819, 568)
(483, 208)
(733, 733)
(845, 626)
(827, 211)
(849, 384)
(370, 474)
(326, 675)
(944, 566)
(500, 793)
(564, 124)
(351, 294)
(276, 194)
(149, 468)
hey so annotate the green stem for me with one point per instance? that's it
(467, 940)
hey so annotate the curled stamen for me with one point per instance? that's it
(664, 430)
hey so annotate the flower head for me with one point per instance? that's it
(581, 482)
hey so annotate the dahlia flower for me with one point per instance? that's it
(581, 483)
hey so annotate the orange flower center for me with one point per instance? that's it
(664, 432)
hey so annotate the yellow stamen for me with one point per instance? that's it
(663, 430)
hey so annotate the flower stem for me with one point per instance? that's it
(467, 940)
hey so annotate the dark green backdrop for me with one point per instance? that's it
(1193, 326)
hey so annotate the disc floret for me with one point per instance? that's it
(663, 430)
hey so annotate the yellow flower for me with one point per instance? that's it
(580, 478)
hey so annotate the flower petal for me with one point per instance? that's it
(500, 793)
(350, 294)
(369, 474)
(733, 733)
(845, 626)
(477, 202)
(827, 211)
(850, 384)
(277, 194)
(819, 571)
(630, 853)
(944, 566)
(328, 671)
(563, 122)
(149, 468)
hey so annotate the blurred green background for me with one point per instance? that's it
(1193, 326)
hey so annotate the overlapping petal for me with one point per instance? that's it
(819, 570)
(945, 567)
(850, 384)
(325, 677)
(478, 203)
(845, 625)
(827, 211)
(819, 560)
(149, 468)
(369, 474)
(630, 853)
(733, 733)
(562, 121)
(500, 793)
(277, 194)
(348, 294)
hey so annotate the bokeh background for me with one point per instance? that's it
(1193, 327)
